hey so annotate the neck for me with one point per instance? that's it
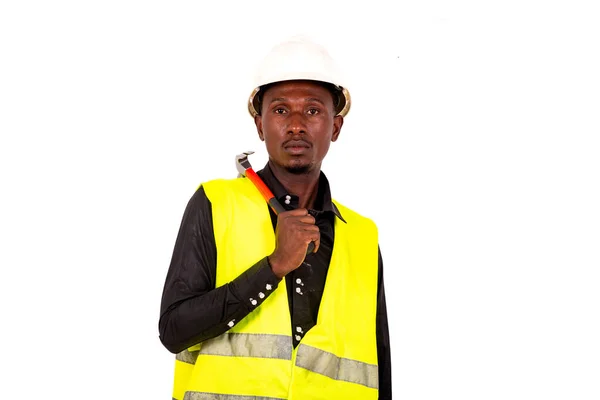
(305, 185)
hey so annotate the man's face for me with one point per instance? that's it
(297, 124)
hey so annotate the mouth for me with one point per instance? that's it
(296, 147)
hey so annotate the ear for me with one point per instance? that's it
(338, 121)
(259, 129)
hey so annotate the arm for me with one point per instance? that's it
(383, 340)
(192, 309)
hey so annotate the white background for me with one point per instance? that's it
(472, 142)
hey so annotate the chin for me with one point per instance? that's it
(298, 167)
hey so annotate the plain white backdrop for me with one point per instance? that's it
(472, 142)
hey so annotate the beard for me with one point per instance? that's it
(298, 169)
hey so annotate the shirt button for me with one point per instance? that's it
(299, 291)
(254, 302)
(261, 295)
(298, 281)
(268, 287)
(299, 329)
(230, 324)
(298, 338)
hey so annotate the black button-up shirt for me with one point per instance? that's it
(193, 310)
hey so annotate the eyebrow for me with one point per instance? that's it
(308, 99)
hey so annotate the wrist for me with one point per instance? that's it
(276, 266)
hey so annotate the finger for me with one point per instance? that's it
(308, 237)
(309, 228)
(298, 212)
(317, 242)
(307, 219)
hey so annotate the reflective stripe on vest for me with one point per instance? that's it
(280, 346)
(215, 396)
(334, 367)
(187, 356)
(249, 345)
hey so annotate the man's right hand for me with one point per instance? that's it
(295, 230)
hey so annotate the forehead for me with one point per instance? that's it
(292, 89)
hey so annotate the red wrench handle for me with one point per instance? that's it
(264, 190)
(270, 198)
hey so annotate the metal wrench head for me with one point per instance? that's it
(242, 163)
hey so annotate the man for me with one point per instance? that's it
(248, 312)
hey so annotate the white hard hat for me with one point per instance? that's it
(299, 58)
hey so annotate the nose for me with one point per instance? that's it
(297, 125)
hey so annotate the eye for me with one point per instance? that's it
(279, 110)
(313, 111)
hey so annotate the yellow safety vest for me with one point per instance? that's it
(255, 359)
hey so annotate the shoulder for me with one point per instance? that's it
(220, 186)
(221, 182)
(232, 191)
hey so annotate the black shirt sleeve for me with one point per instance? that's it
(192, 309)
(383, 340)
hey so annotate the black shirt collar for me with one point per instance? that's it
(323, 201)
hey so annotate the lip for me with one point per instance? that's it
(296, 150)
(296, 147)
